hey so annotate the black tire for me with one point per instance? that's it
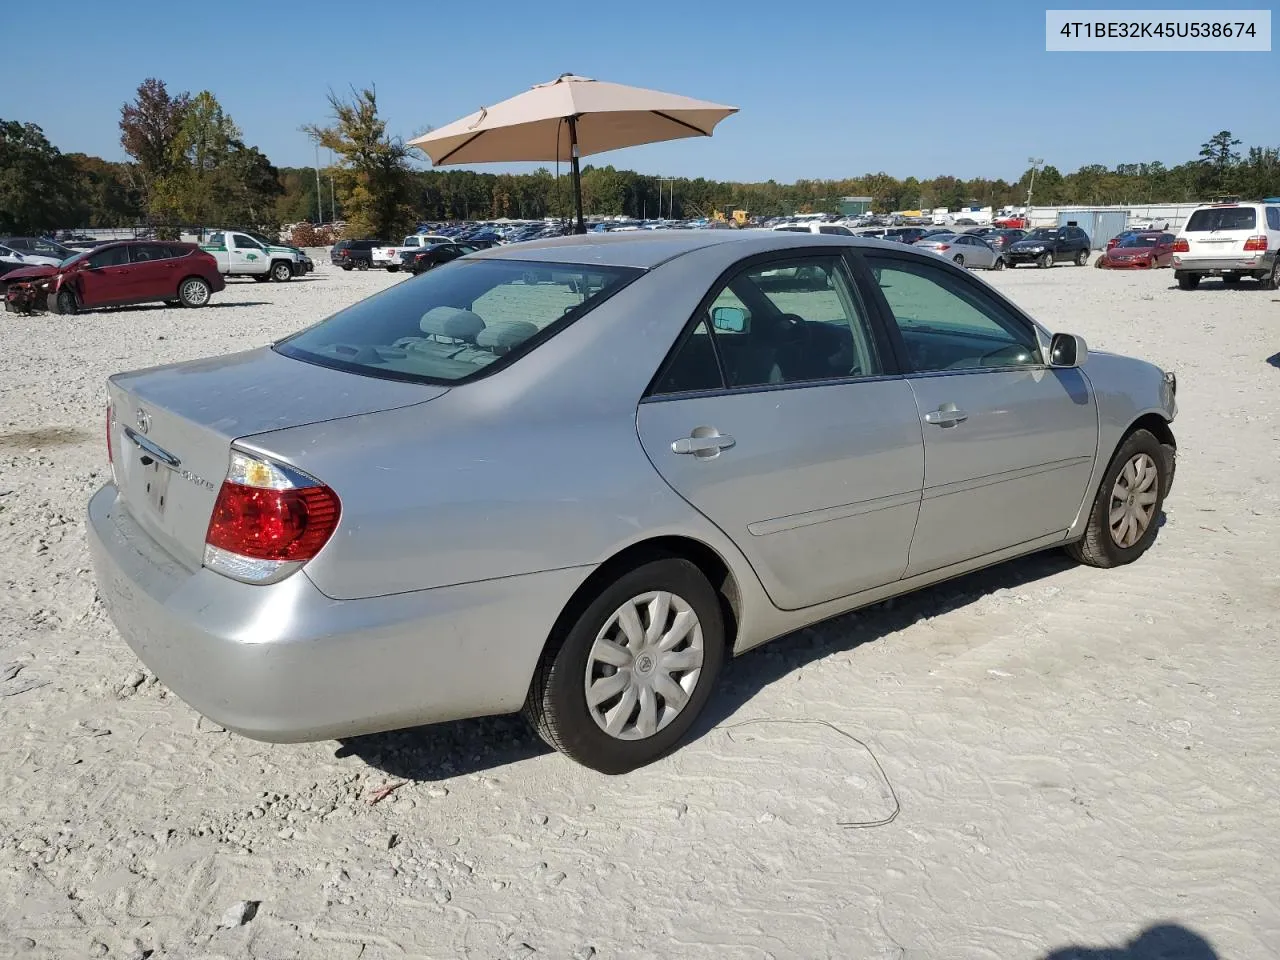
(958, 259)
(1272, 280)
(999, 264)
(362, 265)
(392, 268)
(1098, 547)
(194, 292)
(67, 301)
(262, 277)
(1189, 281)
(1231, 279)
(281, 271)
(557, 703)
(173, 303)
(1045, 260)
(348, 269)
(1082, 258)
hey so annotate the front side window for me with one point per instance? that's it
(451, 323)
(111, 257)
(246, 243)
(788, 321)
(949, 324)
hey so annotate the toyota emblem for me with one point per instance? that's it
(143, 419)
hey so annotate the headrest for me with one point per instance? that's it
(451, 322)
(506, 335)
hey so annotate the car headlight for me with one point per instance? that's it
(1171, 379)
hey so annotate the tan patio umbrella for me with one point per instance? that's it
(568, 118)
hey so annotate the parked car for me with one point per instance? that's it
(388, 256)
(1011, 223)
(240, 254)
(998, 238)
(38, 247)
(420, 261)
(11, 260)
(1120, 236)
(1232, 241)
(963, 250)
(831, 229)
(353, 254)
(905, 234)
(1147, 250)
(1045, 246)
(470, 495)
(126, 272)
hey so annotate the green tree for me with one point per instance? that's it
(39, 188)
(374, 178)
(149, 126)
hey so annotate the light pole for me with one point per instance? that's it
(319, 195)
(671, 202)
(1036, 163)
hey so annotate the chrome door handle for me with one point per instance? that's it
(701, 444)
(947, 415)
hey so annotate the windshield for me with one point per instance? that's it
(938, 238)
(1043, 233)
(1137, 242)
(454, 321)
(76, 258)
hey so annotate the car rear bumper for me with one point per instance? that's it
(1233, 264)
(285, 663)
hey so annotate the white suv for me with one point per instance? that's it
(838, 229)
(1229, 240)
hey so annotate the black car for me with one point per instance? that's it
(354, 254)
(998, 238)
(1045, 246)
(905, 234)
(419, 261)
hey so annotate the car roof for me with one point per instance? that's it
(649, 248)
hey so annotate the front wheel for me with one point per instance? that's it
(1082, 258)
(392, 268)
(66, 301)
(1126, 512)
(632, 670)
(1045, 261)
(281, 271)
(194, 292)
(1189, 281)
(999, 264)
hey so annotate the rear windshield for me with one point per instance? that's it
(1221, 218)
(455, 321)
(1138, 242)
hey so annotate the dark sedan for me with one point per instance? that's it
(905, 234)
(419, 261)
(1046, 246)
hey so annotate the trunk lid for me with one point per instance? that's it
(172, 429)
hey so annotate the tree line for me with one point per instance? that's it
(189, 165)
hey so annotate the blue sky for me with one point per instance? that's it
(826, 89)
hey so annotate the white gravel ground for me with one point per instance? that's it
(1079, 754)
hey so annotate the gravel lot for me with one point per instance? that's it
(1078, 754)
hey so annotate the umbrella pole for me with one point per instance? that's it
(576, 174)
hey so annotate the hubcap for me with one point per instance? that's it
(644, 665)
(196, 292)
(1133, 500)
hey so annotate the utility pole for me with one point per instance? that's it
(319, 195)
(671, 200)
(1036, 163)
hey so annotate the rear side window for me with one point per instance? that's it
(1273, 218)
(1222, 218)
(453, 322)
(175, 251)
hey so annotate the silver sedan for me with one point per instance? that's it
(573, 476)
(964, 250)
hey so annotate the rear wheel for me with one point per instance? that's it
(194, 292)
(1126, 512)
(1045, 261)
(958, 259)
(281, 271)
(392, 267)
(633, 669)
(1082, 258)
(1272, 280)
(348, 269)
(1189, 281)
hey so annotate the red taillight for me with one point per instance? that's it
(281, 525)
(1258, 244)
(110, 457)
(944, 246)
(1181, 246)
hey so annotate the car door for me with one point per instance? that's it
(105, 278)
(246, 255)
(1009, 442)
(152, 276)
(976, 253)
(781, 417)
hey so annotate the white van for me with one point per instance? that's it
(1229, 240)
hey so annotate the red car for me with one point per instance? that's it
(1012, 223)
(127, 272)
(1146, 250)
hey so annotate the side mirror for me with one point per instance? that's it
(729, 319)
(1067, 350)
